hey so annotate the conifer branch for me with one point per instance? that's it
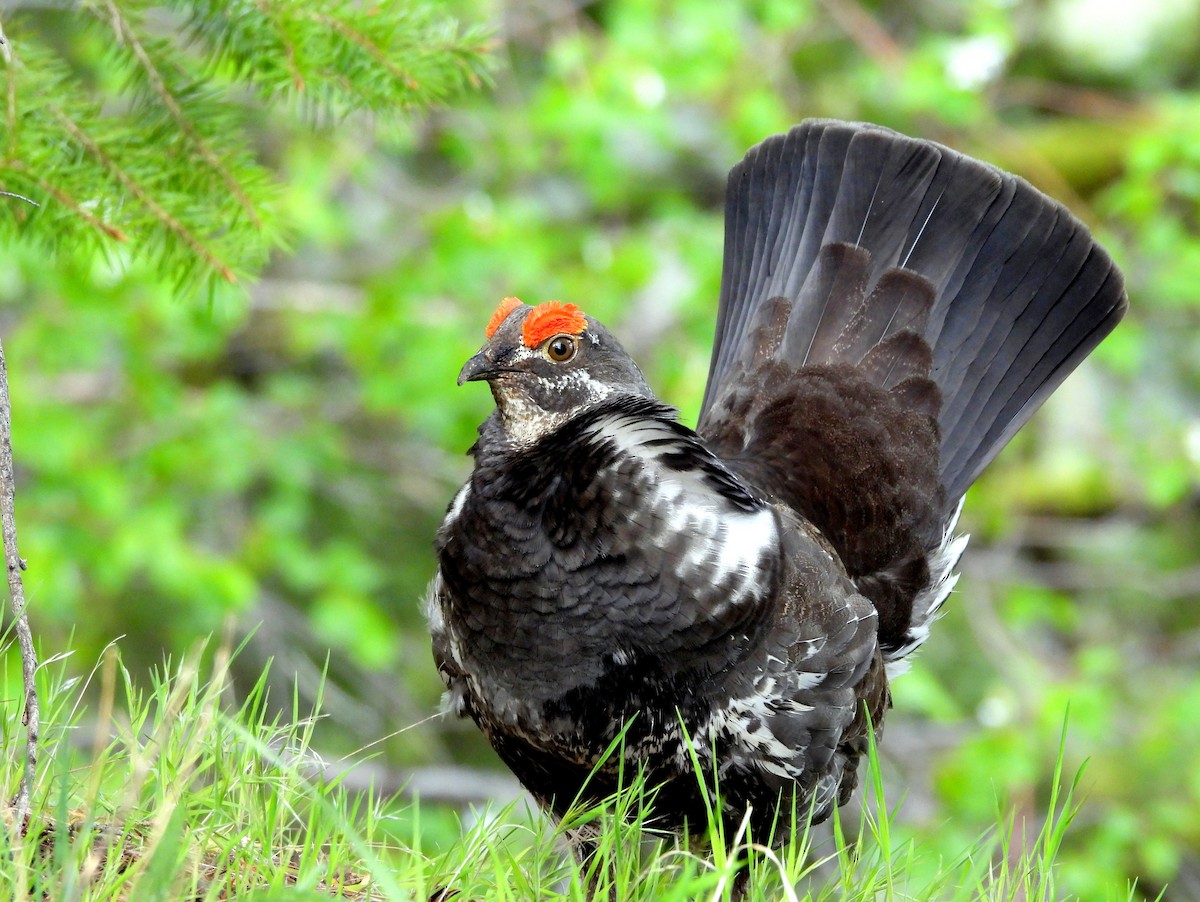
(70, 203)
(128, 37)
(168, 221)
(361, 40)
(289, 46)
(170, 165)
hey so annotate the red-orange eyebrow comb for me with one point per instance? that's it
(551, 318)
(507, 306)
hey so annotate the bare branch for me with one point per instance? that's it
(12, 558)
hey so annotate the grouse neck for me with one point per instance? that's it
(496, 441)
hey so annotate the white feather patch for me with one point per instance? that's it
(928, 604)
(433, 604)
(725, 542)
(456, 505)
(744, 725)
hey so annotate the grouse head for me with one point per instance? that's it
(548, 363)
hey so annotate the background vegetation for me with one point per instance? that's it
(279, 450)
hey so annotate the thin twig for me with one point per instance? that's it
(19, 197)
(12, 558)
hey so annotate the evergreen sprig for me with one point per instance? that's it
(339, 54)
(127, 129)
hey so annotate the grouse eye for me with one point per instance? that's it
(561, 348)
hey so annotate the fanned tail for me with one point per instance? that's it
(959, 291)
(870, 233)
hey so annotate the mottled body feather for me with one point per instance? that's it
(664, 593)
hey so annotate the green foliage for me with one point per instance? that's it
(126, 137)
(285, 455)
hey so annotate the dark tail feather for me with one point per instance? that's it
(901, 300)
(906, 258)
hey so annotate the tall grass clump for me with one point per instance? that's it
(178, 790)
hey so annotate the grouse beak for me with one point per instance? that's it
(478, 368)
